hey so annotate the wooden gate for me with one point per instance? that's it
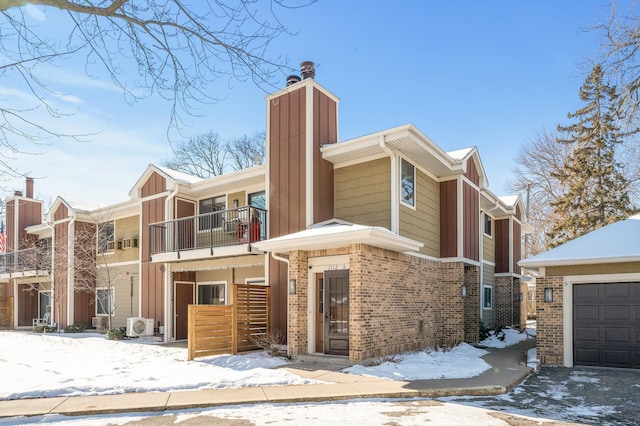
(229, 329)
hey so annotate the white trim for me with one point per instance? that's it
(482, 302)
(461, 259)
(309, 155)
(482, 224)
(370, 158)
(114, 264)
(567, 304)
(470, 183)
(256, 281)
(399, 184)
(112, 293)
(488, 262)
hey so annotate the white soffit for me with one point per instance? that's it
(339, 235)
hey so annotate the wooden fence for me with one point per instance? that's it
(6, 313)
(229, 329)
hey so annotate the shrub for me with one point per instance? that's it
(486, 331)
(75, 328)
(117, 333)
(45, 329)
(272, 343)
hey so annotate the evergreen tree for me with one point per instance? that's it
(597, 191)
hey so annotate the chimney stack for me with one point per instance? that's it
(29, 187)
(307, 69)
(17, 193)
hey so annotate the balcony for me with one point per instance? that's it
(216, 234)
(29, 262)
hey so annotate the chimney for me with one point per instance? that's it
(29, 187)
(17, 193)
(307, 69)
(292, 79)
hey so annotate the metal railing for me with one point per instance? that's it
(33, 259)
(241, 225)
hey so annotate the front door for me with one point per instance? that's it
(336, 312)
(319, 313)
(184, 298)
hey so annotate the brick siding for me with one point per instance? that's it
(549, 339)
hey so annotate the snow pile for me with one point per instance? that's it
(506, 337)
(36, 365)
(460, 362)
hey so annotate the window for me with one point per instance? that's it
(106, 237)
(487, 224)
(211, 294)
(213, 206)
(258, 199)
(44, 303)
(105, 301)
(407, 183)
(486, 297)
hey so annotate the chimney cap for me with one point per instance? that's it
(292, 79)
(307, 69)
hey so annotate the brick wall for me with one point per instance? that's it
(6, 313)
(472, 303)
(297, 324)
(549, 339)
(507, 301)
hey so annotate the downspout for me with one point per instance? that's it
(285, 260)
(168, 311)
(395, 227)
(70, 268)
(51, 269)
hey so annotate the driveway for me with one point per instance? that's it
(594, 396)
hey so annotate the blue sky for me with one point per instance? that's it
(466, 73)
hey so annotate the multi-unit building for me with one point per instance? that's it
(370, 246)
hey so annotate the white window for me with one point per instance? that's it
(106, 237)
(212, 293)
(487, 294)
(487, 225)
(407, 183)
(105, 300)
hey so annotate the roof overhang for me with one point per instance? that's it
(339, 235)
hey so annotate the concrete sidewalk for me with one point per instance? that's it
(507, 371)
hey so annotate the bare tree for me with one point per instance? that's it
(207, 155)
(538, 160)
(179, 49)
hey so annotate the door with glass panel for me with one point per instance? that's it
(336, 312)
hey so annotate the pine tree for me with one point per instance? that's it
(597, 191)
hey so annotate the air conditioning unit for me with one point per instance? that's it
(137, 326)
(100, 323)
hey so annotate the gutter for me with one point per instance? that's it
(394, 185)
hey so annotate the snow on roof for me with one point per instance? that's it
(509, 200)
(81, 205)
(617, 242)
(339, 234)
(180, 176)
(459, 154)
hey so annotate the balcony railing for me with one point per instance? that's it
(238, 226)
(29, 260)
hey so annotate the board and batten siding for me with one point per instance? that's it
(449, 218)
(471, 225)
(363, 193)
(423, 223)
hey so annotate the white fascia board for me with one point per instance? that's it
(236, 179)
(372, 236)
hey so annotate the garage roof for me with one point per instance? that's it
(613, 243)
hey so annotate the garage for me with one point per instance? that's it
(606, 324)
(588, 298)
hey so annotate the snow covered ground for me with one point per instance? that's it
(47, 365)
(37, 365)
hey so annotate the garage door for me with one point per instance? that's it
(606, 324)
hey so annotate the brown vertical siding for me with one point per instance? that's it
(448, 219)
(518, 212)
(83, 298)
(152, 280)
(471, 222)
(502, 245)
(325, 131)
(287, 189)
(517, 246)
(62, 212)
(184, 208)
(10, 225)
(154, 185)
(27, 304)
(60, 270)
(472, 172)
